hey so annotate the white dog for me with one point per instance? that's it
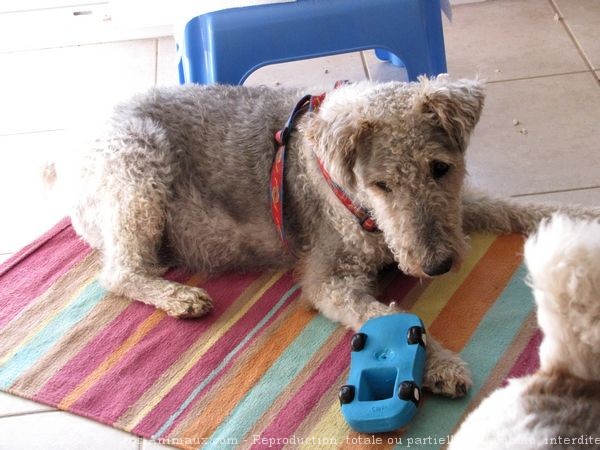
(559, 406)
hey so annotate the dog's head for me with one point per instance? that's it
(399, 149)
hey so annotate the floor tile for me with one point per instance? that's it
(508, 39)
(11, 404)
(585, 197)
(315, 74)
(583, 18)
(555, 144)
(60, 431)
(383, 70)
(166, 66)
(28, 207)
(4, 257)
(47, 89)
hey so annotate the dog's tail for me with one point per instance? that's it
(564, 265)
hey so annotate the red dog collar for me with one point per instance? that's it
(307, 103)
(362, 214)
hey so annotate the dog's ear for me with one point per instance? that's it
(455, 106)
(336, 138)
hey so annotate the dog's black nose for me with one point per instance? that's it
(439, 269)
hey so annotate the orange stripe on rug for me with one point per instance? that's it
(247, 375)
(441, 289)
(465, 309)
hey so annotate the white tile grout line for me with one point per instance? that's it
(574, 39)
(557, 191)
(4, 256)
(365, 66)
(19, 133)
(6, 416)
(534, 77)
(49, 8)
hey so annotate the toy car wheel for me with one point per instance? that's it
(346, 394)
(417, 335)
(409, 391)
(358, 342)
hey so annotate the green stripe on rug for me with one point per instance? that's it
(488, 343)
(264, 393)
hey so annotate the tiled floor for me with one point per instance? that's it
(540, 57)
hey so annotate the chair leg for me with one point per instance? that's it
(382, 54)
(385, 55)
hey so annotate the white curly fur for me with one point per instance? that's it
(562, 400)
(564, 264)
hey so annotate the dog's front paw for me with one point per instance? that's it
(446, 374)
(188, 302)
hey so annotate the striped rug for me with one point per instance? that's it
(261, 371)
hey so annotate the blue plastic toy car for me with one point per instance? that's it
(386, 373)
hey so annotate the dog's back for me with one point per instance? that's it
(206, 151)
(559, 406)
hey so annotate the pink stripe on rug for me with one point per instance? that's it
(114, 392)
(48, 257)
(213, 357)
(290, 417)
(528, 361)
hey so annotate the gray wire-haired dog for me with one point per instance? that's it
(182, 178)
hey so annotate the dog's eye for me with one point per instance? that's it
(439, 169)
(383, 186)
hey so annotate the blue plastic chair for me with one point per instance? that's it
(227, 46)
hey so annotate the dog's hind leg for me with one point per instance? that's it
(136, 169)
(132, 234)
(344, 292)
(484, 213)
